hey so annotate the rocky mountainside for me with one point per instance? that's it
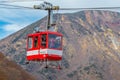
(91, 47)
(9, 70)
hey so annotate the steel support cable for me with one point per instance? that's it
(94, 8)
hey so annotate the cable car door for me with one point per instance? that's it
(43, 41)
(43, 44)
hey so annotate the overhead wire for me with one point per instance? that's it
(8, 8)
(10, 1)
(93, 8)
(15, 6)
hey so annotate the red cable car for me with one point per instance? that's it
(45, 45)
(42, 46)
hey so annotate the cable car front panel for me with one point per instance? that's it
(44, 46)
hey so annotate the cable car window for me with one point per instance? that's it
(55, 41)
(36, 42)
(29, 42)
(43, 40)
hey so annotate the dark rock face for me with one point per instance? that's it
(9, 70)
(91, 47)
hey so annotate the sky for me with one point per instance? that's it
(12, 20)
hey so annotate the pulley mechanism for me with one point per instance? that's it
(49, 7)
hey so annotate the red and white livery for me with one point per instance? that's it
(45, 45)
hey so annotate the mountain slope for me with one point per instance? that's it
(10, 71)
(91, 46)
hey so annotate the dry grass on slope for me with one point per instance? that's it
(9, 70)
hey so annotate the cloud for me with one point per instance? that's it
(26, 3)
(8, 29)
(16, 19)
(20, 16)
(13, 27)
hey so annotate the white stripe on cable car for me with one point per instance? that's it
(44, 51)
(51, 51)
(33, 52)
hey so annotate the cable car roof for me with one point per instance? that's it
(45, 32)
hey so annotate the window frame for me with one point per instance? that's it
(41, 46)
(28, 44)
(60, 41)
(36, 47)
